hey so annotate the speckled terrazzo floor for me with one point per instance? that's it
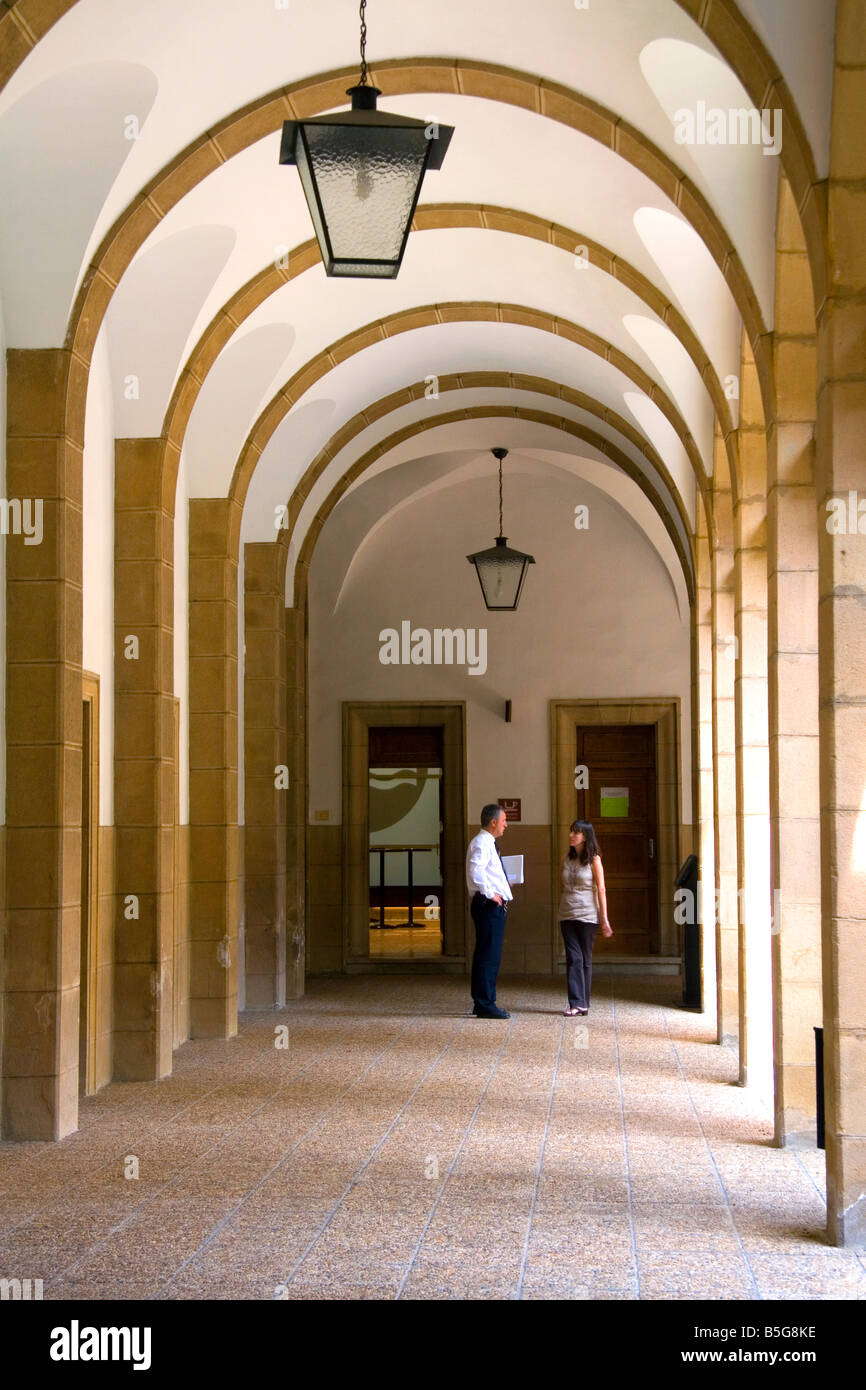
(401, 1149)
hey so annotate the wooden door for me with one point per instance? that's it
(620, 802)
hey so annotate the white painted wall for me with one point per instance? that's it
(98, 573)
(598, 618)
(181, 629)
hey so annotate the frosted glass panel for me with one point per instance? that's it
(404, 805)
(366, 191)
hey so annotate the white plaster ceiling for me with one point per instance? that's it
(800, 36)
(61, 147)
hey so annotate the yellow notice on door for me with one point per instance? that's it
(614, 802)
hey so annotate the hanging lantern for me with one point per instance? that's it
(361, 172)
(501, 570)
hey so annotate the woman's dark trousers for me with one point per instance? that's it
(579, 938)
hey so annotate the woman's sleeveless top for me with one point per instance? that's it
(578, 902)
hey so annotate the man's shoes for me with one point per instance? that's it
(490, 1013)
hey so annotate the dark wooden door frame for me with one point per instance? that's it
(665, 714)
(613, 769)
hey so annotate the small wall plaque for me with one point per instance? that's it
(511, 807)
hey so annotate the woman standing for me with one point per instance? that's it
(582, 910)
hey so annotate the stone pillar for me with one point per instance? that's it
(144, 762)
(214, 526)
(842, 642)
(43, 750)
(753, 761)
(267, 775)
(724, 755)
(703, 779)
(296, 822)
(792, 572)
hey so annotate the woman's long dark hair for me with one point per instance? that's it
(589, 849)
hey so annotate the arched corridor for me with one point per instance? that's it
(253, 699)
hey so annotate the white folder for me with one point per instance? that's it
(513, 866)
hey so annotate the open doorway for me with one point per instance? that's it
(405, 818)
(404, 837)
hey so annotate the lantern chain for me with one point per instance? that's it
(500, 497)
(363, 81)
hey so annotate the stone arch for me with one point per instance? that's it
(361, 464)
(428, 216)
(513, 381)
(428, 315)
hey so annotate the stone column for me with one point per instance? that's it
(703, 743)
(842, 642)
(267, 776)
(792, 572)
(43, 750)
(724, 755)
(296, 823)
(144, 762)
(214, 526)
(753, 767)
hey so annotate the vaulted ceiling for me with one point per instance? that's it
(555, 251)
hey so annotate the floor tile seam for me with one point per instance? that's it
(625, 1149)
(801, 1164)
(356, 1177)
(519, 1291)
(143, 1206)
(452, 1164)
(727, 1201)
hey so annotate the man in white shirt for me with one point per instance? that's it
(490, 893)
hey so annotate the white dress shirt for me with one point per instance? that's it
(484, 871)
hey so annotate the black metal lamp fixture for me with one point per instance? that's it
(361, 172)
(501, 570)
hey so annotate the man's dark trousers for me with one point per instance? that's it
(489, 920)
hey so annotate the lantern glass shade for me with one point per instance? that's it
(361, 172)
(501, 572)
